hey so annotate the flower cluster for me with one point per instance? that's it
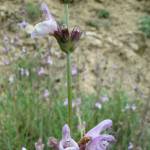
(92, 140)
(66, 40)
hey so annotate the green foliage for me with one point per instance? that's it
(33, 11)
(103, 13)
(93, 23)
(25, 115)
(145, 25)
(126, 122)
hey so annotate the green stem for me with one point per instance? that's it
(69, 77)
(69, 86)
(66, 14)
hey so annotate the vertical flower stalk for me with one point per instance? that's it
(69, 87)
(69, 77)
(67, 41)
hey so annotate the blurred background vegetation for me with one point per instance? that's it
(110, 69)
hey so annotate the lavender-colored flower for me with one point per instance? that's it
(98, 105)
(67, 143)
(66, 40)
(49, 60)
(99, 141)
(49, 26)
(6, 62)
(23, 24)
(104, 98)
(75, 102)
(74, 70)
(24, 72)
(41, 71)
(6, 49)
(39, 145)
(46, 93)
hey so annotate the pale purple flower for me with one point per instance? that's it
(66, 40)
(46, 93)
(104, 98)
(49, 26)
(39, 145)
(67, 143)
(99, 141)
(130, 146)
(6, 62)
(74, 70)
(6, 49)
(41, 71)
(23, 24)
(75, 102)
(98, 105)
(24, 72)
(49, 60)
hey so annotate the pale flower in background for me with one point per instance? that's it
(74, 70)
(75, 102)
(23, 148)
(41, 71)
(104, 98)
(24, 72)
(11, 78)
(39, 145)
(130, 146)
(26, 27)
(130, 107)
(49, 60)
(46, 93)
(6, 61)
(98, 105)
(23, 24)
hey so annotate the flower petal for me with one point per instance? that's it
(94, 132)
(46, 12)
(67, 143)
(100, 143)
(66, 132)
(44, 28)
(76, 34)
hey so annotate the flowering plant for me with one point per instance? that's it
(67, 40)
(92, 140)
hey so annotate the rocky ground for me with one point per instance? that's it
(112, 53)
